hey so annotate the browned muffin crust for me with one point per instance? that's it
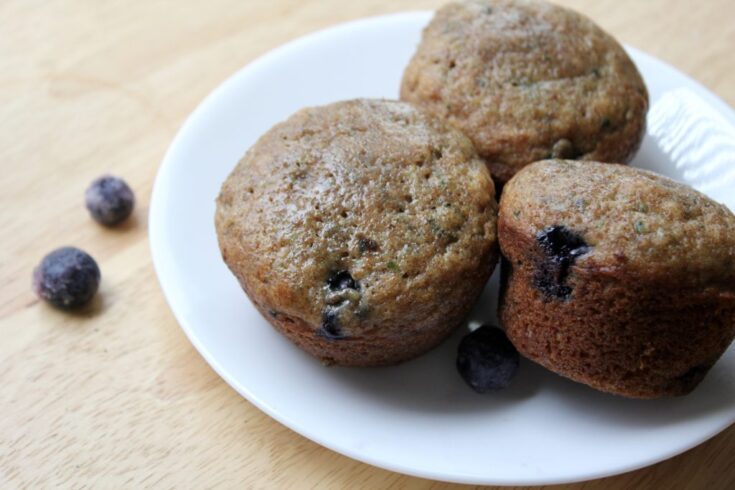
(528, 80)
(362, 230)
(616, 277)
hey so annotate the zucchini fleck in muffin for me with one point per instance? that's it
(363, 231)
(528, 80)
(616, 277)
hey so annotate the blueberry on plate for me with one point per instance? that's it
(67, 278)
(486, 359)
(109, 200)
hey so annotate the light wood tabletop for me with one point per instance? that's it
(115, 396)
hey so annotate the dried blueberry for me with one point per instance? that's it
(330, 329)
(342, 280)
(109, 200)
(67, 278)
(486, 359)
(561, 247)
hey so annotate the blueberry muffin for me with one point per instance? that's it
(616, 277)
(528, 80)
(363, 230)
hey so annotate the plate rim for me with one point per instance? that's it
(156, 240)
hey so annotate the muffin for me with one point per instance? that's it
(616, 277)
(528, 80)
(363, 230)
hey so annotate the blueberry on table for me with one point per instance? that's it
(67, 278)
(109, 200)
(486, 359)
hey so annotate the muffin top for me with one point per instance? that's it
(528, 80)
(366, 210)
(629, 218)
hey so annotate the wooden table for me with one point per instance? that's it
(115, 396)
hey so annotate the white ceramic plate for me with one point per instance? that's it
(419, 418)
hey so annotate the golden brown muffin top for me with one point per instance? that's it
(367, 206)
(630, 218)
(528, 80)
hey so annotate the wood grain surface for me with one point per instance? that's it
(115, 396)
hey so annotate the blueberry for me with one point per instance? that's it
(367, 245)
(560, 241)
(67, 278)
(486, 359)
(561, 247)
(342, 280)
(109, 200)
(330, 329)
